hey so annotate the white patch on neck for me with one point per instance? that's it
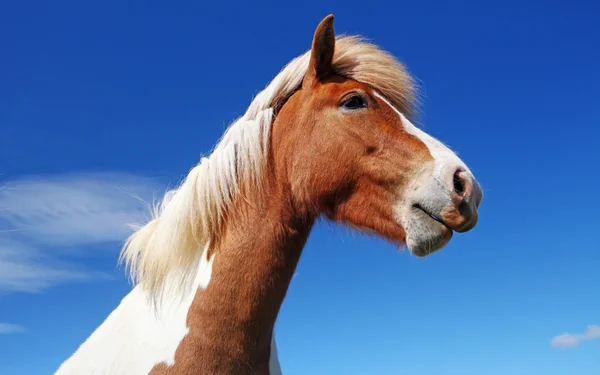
(274, 366)
(205, 270)
(134, 338)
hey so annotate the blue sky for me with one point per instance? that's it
(103, 102)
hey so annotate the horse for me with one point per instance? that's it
(329, 137)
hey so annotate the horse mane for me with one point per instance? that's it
(189, 218)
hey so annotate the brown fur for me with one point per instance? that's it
(349, 166)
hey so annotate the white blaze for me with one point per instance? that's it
(444, 158)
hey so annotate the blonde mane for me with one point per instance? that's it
(171, 245)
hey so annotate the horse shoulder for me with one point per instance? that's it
(131, 340)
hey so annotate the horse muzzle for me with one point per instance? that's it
(441, 200)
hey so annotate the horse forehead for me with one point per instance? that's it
(335, 86)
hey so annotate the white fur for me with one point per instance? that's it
(166, 256)
(135, 337)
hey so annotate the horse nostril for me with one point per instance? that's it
(459, 183)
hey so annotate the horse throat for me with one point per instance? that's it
(231, 321)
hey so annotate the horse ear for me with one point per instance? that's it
(321, 54)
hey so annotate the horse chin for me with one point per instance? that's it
(425, 234)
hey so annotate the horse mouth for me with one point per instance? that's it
(430, 215)
(427, 231)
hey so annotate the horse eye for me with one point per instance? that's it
(354, 102)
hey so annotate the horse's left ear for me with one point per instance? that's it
(321, 54)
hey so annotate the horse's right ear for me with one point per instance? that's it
(321, 54)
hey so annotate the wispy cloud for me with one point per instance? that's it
(8, 328)
(24, 268)
(41, 218)
(568, 340)
(74, 209)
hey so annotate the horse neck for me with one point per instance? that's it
(231, 321)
